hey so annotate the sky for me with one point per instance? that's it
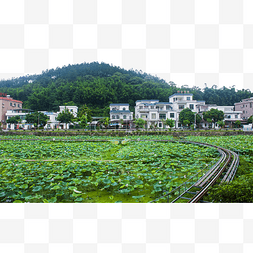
(185, 41)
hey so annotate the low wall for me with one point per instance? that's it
(174, 133)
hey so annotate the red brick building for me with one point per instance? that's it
(7, 103)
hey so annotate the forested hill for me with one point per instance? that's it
(98, 85)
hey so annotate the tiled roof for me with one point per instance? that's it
(11, 100)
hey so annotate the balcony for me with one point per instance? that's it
(143, 110)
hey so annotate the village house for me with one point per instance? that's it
(120, 113)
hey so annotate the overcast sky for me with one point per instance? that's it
(184, 41)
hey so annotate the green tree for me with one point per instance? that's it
(139, 123)
(185, 116)
(214, 114)
(106, 121)
(250, 120)
(13, 120)
(84, 110)
(186, 122)
(170, 123)
(237, 123)
(221, 123)
(83, 121)
(65, 116)
(37, 119)
(209, 122)
(198, 118)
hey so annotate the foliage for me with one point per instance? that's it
(250, 120)
(69, 171)
(139, 123)
(83, 121)
(214, 114)
(234, 192)
(13, 120)
(170, 123)
(36, 118)
(65, 116)
(221, 123)
(198, 118)
(237, 123)
(186, 117)
(84, 110)
(106, 122)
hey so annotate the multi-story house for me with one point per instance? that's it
(154, 112)
(183, 100)
(7, 103)
(230, 115)
(120, 112)
(246, 106)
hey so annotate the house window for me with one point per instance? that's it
(250, 105)
(229, 116)
(10, 104)
(243, 111)
(124, 108)
(113, 116)
(181, 107)
(18, 105)
(162, 116)
(124, 116)
(188, 98)
(174, 99)
(141, 107)
(172, 115)
(236, 116)
(160, 124)
(153, 116)
(167, 107)
(152, 107)
(191, 106)
(117, 116)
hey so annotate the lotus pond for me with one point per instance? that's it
(56, 169)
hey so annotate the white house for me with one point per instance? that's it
(154, 112)
(120, 112)
(182, 100)
(73, 109)
(230, 116)
(21, 113)
(52, 122)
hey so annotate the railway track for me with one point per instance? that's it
(194, 189)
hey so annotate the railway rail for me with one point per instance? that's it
(194, 189)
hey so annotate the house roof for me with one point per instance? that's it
(11, 100)
(120, 104)
(181, 94)
(145, 100)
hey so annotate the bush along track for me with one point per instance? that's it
(114, 170)
(240, 190)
